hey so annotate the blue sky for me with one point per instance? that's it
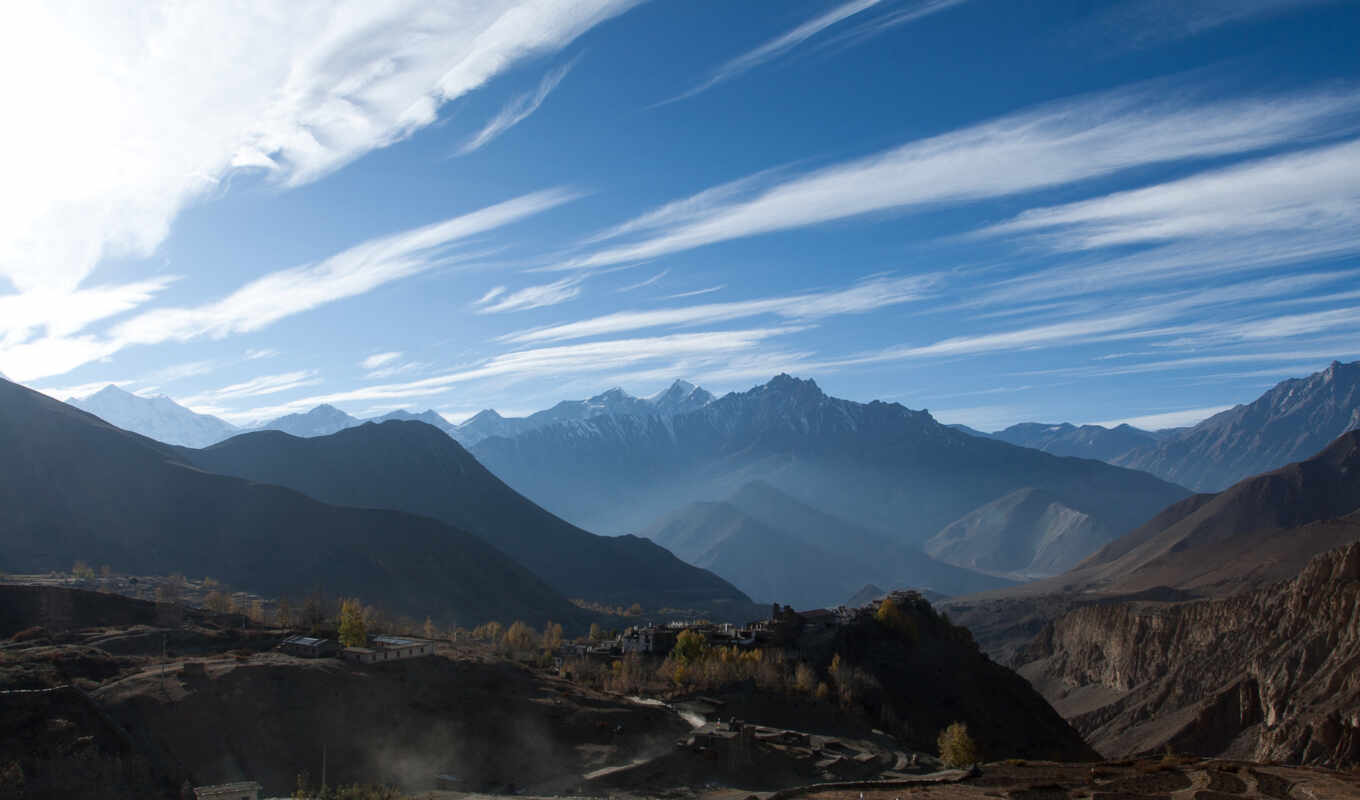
(1135, 210)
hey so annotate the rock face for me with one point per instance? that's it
(1028, 533)
(1267, 675)
(1296, 418)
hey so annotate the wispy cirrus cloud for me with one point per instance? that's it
(548, 294)
(354, 271)
(865, 296)
(791, 39)
(1057, 144)
(518, 109)
(379, 359)
(260, 386)
(1166, 419)
(185, 96)
(1142, 22)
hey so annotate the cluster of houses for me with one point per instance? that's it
(380, 649)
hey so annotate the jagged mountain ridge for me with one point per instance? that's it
(158, 418)
(1293, 420)
(413, 467)
(1269, 675)
(878, 465)
(678, 398)
(75, 487)
(1079, 441)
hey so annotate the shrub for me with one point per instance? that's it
(957, 748)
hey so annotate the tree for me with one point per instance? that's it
(805, 679)
(430, 631)
(635, 610)
(957, 748)
(891, 616)
(552, 636)
(520, 636)
(168, 592)
(689, 646)
(106, 571)
(216, 601)
(596, 632)
(283, 613)
(82, 571)
(353, 631)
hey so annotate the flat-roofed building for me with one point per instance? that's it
(241, 790)
(389, 648)
(310, 647)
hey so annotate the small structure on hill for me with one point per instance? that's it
(241, 790)
(310, 647)
(389, 648)
(648, 639)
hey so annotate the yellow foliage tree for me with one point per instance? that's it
(957, 748)
(353, 631)
(520, 636)
(689, 646)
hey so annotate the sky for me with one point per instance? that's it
(1136, 210)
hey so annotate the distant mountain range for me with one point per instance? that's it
(777, 549)
(164, 420)
(1290, 422)
(410, 466)
(879, 466)
(74, 487)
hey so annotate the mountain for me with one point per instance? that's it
(320, 421)
(413, 467)
(766, 564)
(159, 418)
(1290, 422)
(1261, 529)
(1085, 441)
(428, 416)
(680, 397)
(1266, 675)
(1026, 533)
(75, 487)
(882, 467)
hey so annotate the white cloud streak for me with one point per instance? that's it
(379, 359)
(863, 297)
(518, 109)
(548, 294)
(1050, 146)
(351, 272)
(1166, 419)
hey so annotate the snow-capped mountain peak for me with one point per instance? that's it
(159, 417)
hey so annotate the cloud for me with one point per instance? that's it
(1166, 419)
(518, 109)
(379, 359)
(696, 292)
(1053, 145)
(79, 391)
(549, 294)
(787, 41)
(346, 274)
(255, 387)
(1148, 21)
(181, 97)
(644, 283)
(860, 298)
(263, 352)
(1314, 193)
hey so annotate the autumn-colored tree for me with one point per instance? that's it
(353, 631)
(216, 601)
(552, 636)
(689, 646)
(82, 571)
(431, 632)
(957, 748)
(891, 616)
(596, 632)
(520, 636)
(805, 679)
(635, 610)
(283, 613)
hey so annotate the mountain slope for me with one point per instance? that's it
(894, 471)
(1269, 675)
(413, 467)
(159, 418)
(428, 416)
(1295, 419)
(1085, 441)
(74, 487)
(1028, 532)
